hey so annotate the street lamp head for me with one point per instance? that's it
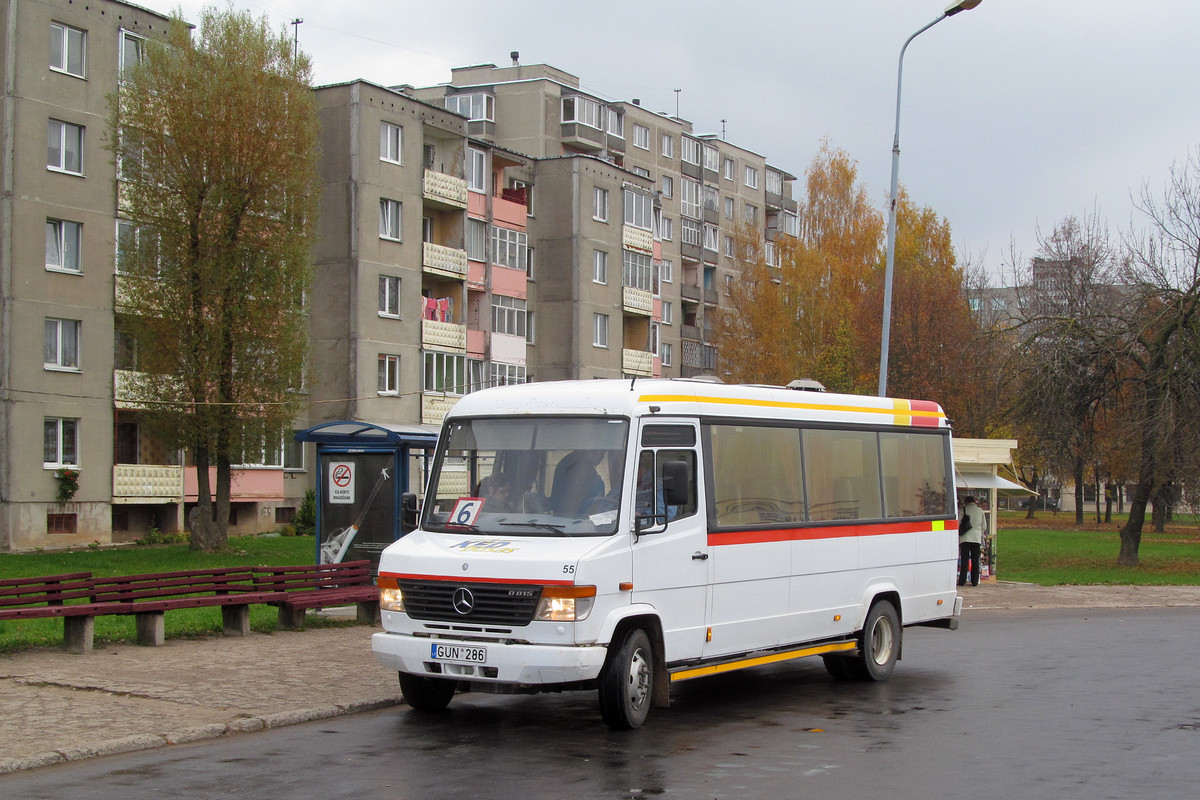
(961, 5)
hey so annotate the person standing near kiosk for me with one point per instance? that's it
(970, 537)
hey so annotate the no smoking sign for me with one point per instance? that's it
(341, 482)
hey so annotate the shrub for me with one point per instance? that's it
(306, 516)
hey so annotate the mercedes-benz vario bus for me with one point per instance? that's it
(623, 535)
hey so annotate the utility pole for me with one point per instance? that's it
(296, 36)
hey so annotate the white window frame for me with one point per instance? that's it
(641, 136)
(689, 197)
(61, 35)
(509, 315)
(667, 354)
(582, 110)
(600, 330)
(727, 243)
(388, 383)
(751, 177)
(138, 43)
(668, 229)
(502, 374)
(391, 219)
(639, 210)
(509, 248)
(668, 186)
(666, 271)
(689, 150)
(62, 339)
(65, 133)
(710, 237)
(668, 145)
(668, 312)
(751, 213)
(712, 158)
(389, 296)
(476, 239)
(616, 123)
(637, 271)
(600, 267)
(448, 369)
(475, 106)
(774, 181)
(477, 172)
(727, 168)
(64, 242)
(600, 204)
(391, 142)
(137, 235)
(55, 433)
(730, 208)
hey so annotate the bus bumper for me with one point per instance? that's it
(491, 662)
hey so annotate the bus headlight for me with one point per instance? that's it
(391, 598)
(566, 603)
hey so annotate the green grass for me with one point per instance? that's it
(132, 560)
(1086, 557)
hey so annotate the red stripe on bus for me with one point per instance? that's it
(761, 535)
(466, 579)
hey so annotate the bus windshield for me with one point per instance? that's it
(529, 476)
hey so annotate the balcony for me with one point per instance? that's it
(442, 260)
(690, 332)
(445, 336)
(583, 137)
(637, 239)
(637, 362)
(434, 407)
(147, 483)
(445, 190)
(638, 301)
(690, 293)
(126, 393)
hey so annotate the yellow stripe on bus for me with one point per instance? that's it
(774, 658)
(737, 401)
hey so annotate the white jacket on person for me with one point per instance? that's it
(975, 514)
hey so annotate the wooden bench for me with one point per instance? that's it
(319, 586)
(148, 597)
(48, 596)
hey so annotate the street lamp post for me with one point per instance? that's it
(951, 10)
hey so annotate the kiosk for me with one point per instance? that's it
(364, 470)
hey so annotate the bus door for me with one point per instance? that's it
(671, 566)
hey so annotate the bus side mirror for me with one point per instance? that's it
(408, 512)
(676, 479)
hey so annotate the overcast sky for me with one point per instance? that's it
(1015, 114)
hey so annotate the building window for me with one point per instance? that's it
(477, 178)
(638, 271)
(67, 49)
(446, 373)
(728, 284)
(668, 186)
(62, 344)
(63, 240)
(133, 48)
(691, 231)
(639, 210)
(389, 219)
(712, 158)
(389, 296)
(774, 182)
(582, 110)
(529, 263)
(728, 242)
(60, 443)
(508, 315)
(509, 247)
(710, 237)
(668, 146)
(616, 123)
(751, 214)
(729, 208)
(645, 173)
(666, 271)
(668, 229)
(125, 354)
(727, 168)
(389, 374)
(791, 223)
(64, 147)
(130, 238)
(62, 523)
(653, 344)
(641, 136)
(600, 204)
(691, 151)
(507, 374)
(476, 240)
(474, 106)
(752, 177)
(391, 139)
(689, 198)
(667, 354)
(600, 330)
(668, 312)
(599, 266)
(711, 196)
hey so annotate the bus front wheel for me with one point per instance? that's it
(879, 647)
(627, 682)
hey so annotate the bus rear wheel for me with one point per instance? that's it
(879, 647)
(627, 682)
(426, 694)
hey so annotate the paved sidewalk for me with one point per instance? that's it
(59, 707)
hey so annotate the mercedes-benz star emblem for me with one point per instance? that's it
(463, 600)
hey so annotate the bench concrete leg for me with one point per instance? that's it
(78, 633)
(150, 628)
(235, 620)
(291, 618)
(368, 613)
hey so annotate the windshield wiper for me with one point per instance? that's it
(546, 526)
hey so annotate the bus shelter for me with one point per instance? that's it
(364, 470)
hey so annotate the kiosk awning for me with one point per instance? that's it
(986, 480)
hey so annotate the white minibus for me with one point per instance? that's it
(621, 535)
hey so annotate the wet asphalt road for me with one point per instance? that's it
(1029, 704)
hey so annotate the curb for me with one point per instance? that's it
(150, 741)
